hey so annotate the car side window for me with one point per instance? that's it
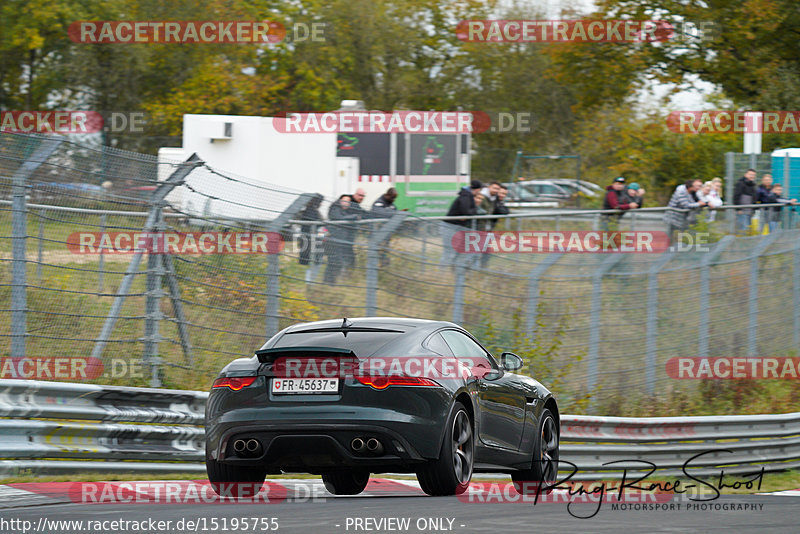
(437, 344)
(468, 352)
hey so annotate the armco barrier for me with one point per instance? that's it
(50, 427)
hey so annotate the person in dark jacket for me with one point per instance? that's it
(775, 196)
(384, 208)
(744, 193)
(339, 242)
(763, 188)
(614, 200)
(308, 232)
(463, 205)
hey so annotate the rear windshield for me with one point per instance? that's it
(363, 344)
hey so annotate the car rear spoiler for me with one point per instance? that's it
(270, 355)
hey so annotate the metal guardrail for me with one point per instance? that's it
(51, 427)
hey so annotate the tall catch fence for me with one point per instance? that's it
(606, 324)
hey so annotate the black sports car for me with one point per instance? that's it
(346, 398)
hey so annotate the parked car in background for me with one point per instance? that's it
(548, 193)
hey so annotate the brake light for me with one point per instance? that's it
(383, 382)
(234, 382)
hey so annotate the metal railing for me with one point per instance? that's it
(50, 427)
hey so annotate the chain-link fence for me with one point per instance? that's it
(608, 323)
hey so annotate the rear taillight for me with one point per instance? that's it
(383, 382)
(234, 382)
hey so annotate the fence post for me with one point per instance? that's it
(458, 292)
(705, 291)
(594, 318)
(730, 168)
(19, 232)
(40, 251)
(533, 290)
(273, 262)
(652, 319)
(752, 312)
(152, 303)
(376, 239)
(796, 294)
(101, 260)
(174, 180)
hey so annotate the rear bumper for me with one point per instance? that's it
(316, 448)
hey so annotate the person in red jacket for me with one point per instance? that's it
(612, 200)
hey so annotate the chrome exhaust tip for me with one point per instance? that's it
(357, 444)
(373, 445)
(239, 446)
(253, 445)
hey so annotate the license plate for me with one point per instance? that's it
(305, 385)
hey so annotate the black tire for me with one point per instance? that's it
(544, 464)
(346, 482)
(219, 473)
(451, 473)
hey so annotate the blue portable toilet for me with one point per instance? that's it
(786, 170)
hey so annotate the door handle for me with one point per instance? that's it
(482, 386)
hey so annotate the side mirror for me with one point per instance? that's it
(510, 361)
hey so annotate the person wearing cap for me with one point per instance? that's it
(633, 192)
(616, 200)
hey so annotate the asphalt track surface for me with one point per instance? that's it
(324, 513)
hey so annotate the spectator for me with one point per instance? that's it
(498, 208)
(743, 194)
(463, 205)
(488, 203)
(489, 194)
(775, 196)
(612, 201)
(763, 189)
(633, 193)
(681, 199)
(339, 244)
(709, 195)
(384, 208)
(308, 232)
(717, 184)
(500, 205)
